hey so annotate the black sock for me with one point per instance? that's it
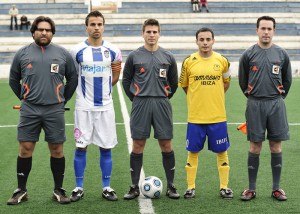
(253, 164)
(276, 164)
(23, 170)
(58, 170)
(136, 162)
(169, 166)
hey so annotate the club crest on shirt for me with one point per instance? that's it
(275, 69)
(106, 53)
(54, 68)
(163, 72)
(216, 67)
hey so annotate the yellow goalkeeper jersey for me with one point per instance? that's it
(205, 79)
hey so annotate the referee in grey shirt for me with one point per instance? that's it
(265, 78)
(37, 78)
(150, 79)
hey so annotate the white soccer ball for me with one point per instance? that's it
(151, 187)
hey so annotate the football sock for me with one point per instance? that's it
(223, 168)
(105, 166)
(79, 166)
(253, 164)
(191, 169)
(168, 159)
(23, 170)
(276, 164)
(136, 162)
(58, 171)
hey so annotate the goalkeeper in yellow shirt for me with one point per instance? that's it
(205, 77)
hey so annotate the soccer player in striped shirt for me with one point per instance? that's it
(99, 66)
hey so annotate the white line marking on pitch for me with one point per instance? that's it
(175, 123)
(144, 204)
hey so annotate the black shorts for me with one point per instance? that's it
(155, 111)
(33, 118)
(266, 115)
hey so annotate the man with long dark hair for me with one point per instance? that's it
(37, 78)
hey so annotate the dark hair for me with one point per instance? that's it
(42, 19)
(151, 22)
(94, 13)
(268, 18)
(205, 29)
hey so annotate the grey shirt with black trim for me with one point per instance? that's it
(37, 74)
(265, 73)
(150, 74)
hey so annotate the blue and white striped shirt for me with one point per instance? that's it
(94, 90)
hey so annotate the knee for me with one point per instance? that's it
(138, 146)
(167, 148)
(137, 149)
(255, 148)
(56, 150)
(275, 147)
(26, 149)
(165, 145)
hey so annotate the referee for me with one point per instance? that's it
(265, 78)
(150, 79)
(37, 78)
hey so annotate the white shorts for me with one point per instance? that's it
(95, 127)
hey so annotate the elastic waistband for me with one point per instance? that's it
(265, 98)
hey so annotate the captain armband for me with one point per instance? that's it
(116, 67)
(227, 76)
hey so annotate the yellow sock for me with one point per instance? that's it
(223, 168)
(191, 169)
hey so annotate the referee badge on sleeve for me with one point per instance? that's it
(54, 68)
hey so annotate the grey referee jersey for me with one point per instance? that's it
(150, 74)
(41, 71)
(265, 73)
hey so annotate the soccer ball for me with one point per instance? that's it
(151, 187)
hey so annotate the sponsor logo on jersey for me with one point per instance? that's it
(92, 68)
(207, 79)
(95, 51)
(209, 82)
(96, 69)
